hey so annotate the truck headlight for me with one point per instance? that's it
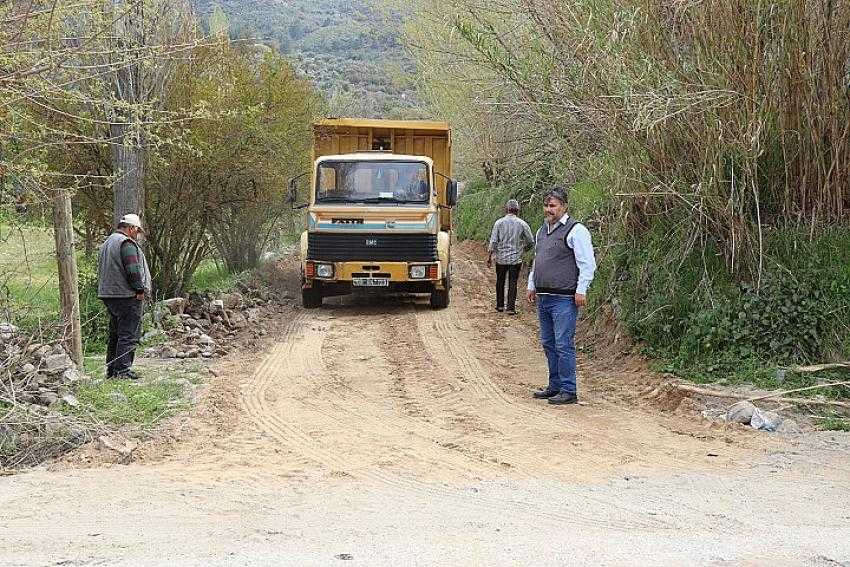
(417, 272)
(324, 270)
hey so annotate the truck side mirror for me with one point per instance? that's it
(451, 192)
(292, 194)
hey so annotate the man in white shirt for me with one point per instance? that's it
(563, 268)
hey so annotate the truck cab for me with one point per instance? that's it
(379, 210)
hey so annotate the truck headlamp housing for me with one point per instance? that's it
(417, 272)
(324, 270)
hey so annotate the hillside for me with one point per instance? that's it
(349, 49)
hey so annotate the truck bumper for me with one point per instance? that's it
(399, 276)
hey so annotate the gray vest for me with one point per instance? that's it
(555, 268)
(112, 279)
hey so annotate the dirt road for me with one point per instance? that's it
(385, 433)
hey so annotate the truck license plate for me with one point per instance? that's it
(371, 282)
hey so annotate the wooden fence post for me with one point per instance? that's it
(69, 292)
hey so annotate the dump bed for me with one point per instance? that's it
(336, 136)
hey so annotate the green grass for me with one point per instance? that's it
(29, 276)
(834, 424)
(161, 393)
(760, 374)
(212, 277)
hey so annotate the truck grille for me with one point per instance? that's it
(380, 246)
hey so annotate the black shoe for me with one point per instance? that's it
(500, 309)
(564, 398)
(544, 393)
(511, 311)
(127, 375)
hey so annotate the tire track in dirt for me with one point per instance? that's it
(420, 426)
(439, 332)
(465, 411)
(433, 404)
(253, 392)
(447, 324)
(404, 412)
(455, 344)
(287, 363)
(447, 344)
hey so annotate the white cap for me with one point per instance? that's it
(132, 220)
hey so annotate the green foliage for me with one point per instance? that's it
(213, 277)
(121, 402)
(94, 317)
(162, 392)
(478, 208)
(709, 327)
(350, 50)
(691, 108)
(31, 284)
(482, 204)
(781, 319)
(834, 424)
(218, 23)
(223, 188)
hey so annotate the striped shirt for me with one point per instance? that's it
(131, 260)
(511, 236)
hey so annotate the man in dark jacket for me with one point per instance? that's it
(124, 281)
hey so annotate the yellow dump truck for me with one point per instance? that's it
(379, 210)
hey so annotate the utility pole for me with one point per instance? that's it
(69, 292)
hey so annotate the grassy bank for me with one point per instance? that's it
(690, 312)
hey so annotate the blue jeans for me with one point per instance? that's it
(557, 315)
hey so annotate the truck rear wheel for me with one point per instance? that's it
(311, 297)
(440, 297)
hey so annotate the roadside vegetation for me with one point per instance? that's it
(707, 154)
(210, 129)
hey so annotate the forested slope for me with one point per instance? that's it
(350, 49)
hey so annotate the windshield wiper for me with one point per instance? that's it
(383, 200)
(334, 200)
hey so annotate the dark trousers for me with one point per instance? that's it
(125, 317)
(512, 271)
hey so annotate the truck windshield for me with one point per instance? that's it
(372, 182)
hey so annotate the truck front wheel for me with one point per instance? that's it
(440, 297)
(311, 297)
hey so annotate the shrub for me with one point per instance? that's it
(693, 313)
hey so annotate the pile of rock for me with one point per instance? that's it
(199, 326)
(35, 373)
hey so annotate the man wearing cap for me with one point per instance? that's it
(510, 237)
(124, 281)
(562, 271)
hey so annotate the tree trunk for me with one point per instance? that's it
(125, 128)
(128, 161)
(69, 293)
